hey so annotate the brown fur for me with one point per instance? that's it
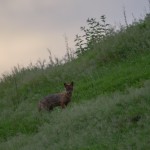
(58, 99)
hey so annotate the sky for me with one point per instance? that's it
(29, 27)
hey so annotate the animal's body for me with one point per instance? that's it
(58, 99)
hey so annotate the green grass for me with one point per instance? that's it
(106, 122)
(110, 105)
(116, 76)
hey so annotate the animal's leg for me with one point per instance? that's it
(62, 105)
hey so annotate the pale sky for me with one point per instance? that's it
(29, 27)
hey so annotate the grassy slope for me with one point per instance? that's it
(105, 112)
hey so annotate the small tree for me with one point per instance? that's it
(95, 32)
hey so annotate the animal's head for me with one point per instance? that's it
(69, 87)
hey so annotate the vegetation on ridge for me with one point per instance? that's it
(110, 104)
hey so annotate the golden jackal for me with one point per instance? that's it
(58, 99)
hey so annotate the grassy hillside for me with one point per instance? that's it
(110, 105)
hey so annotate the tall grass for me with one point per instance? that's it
(118, 121)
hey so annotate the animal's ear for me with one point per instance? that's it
(65, 84)
(72, 83)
